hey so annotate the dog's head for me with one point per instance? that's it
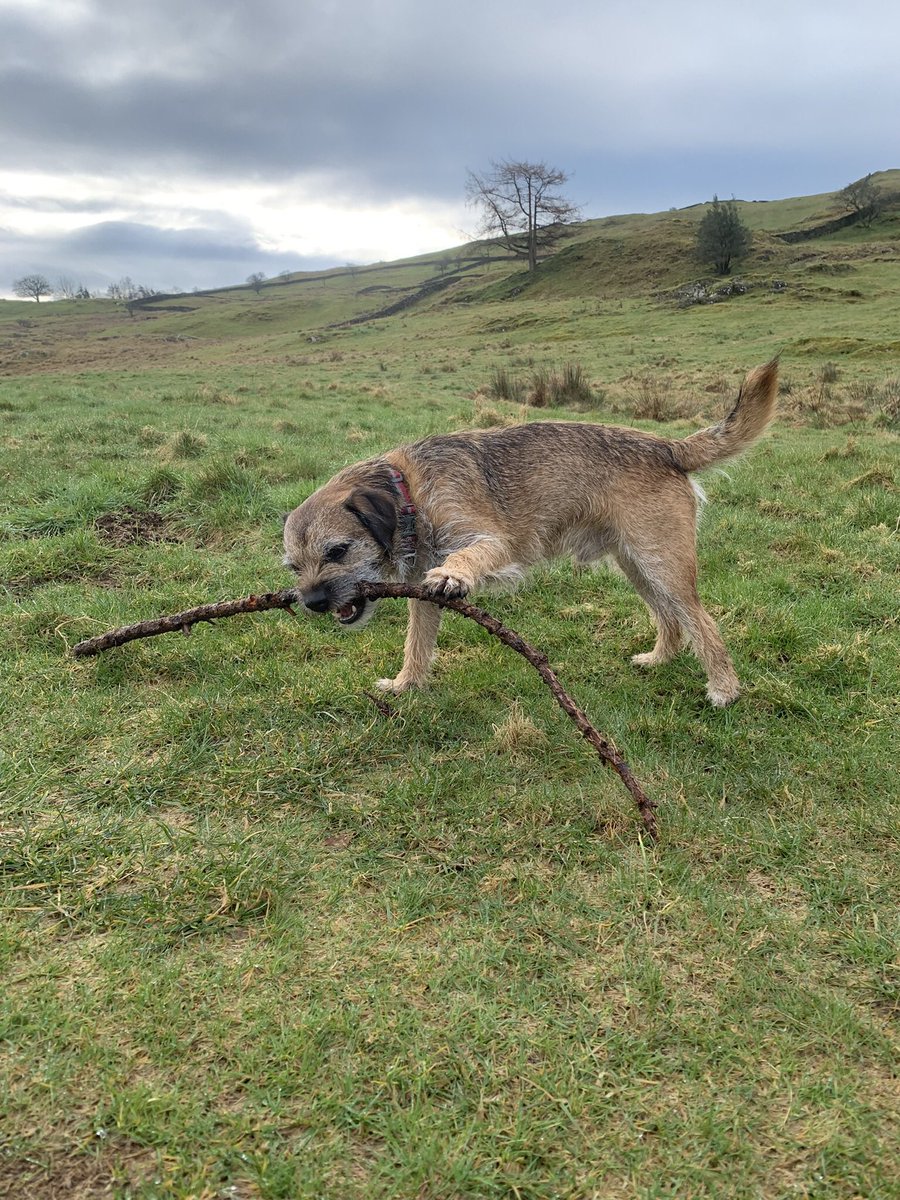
(341, 536)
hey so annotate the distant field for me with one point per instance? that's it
(260, 940)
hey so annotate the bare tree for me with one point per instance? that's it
(520, 203)
(66, 288)
(256, 281)
(124, 289)
(130, 293)
(32, 287)
(863, 198)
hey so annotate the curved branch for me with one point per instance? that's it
(184, 621)
(607, 751)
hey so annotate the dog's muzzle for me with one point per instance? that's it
(320, 600)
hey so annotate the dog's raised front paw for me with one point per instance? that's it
(440, 583)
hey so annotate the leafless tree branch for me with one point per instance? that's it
(184, 621)
(520, 204)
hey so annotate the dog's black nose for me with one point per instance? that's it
(317, 600)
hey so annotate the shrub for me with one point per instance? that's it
(572, 387)
(223, 478)
(546, 387)
(888, 414)
(651, 399)
(161, 485)
(183, 444)
(504, 386)
(722, 236)
(540, 390)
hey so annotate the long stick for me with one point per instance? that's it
(184, 620)
(286, 599)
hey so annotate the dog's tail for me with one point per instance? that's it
(747, 421)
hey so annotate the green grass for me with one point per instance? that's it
(260, 940)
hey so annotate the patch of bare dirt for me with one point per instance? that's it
(130, 526)
(74, 1176)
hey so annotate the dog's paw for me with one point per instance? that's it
(721, 697)
(441, 583)
(398, 685)
(646, 660)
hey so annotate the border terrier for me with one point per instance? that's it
(463, 511)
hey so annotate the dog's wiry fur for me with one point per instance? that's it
(493, 503)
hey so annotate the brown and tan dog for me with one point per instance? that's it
(462, 511)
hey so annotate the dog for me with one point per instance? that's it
(463, 511)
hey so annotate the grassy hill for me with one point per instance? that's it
(611, 297)
(262, 939)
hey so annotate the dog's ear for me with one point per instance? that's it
(377, 513)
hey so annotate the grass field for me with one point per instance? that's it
(261, 941)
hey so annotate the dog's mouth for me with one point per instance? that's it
(350, 613)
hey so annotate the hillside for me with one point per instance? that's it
(617, 296)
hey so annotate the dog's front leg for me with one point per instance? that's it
(463, 570)
(419, 651)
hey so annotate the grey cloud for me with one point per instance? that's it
(399, 97)
(113, 239)
(56, 204)
(159, 258)
(648, 104)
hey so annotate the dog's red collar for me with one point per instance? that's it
(407, 515)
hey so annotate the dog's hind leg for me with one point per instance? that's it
(678, 612)
(669, 637)
(419, 650)
(722, 682)
(663, 570)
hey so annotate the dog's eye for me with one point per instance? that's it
(336, 553)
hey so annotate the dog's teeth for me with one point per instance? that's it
(348, 613)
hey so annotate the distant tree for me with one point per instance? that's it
(863, 198)
(256, 281)
(122, 289)
(32, 287)
(129, 292)
(520, 203)
(66, 288)
(722, 236)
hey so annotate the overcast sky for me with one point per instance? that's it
(186, 143)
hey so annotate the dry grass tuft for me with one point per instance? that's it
(651, 398)
(183, 444)
(518, 732)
